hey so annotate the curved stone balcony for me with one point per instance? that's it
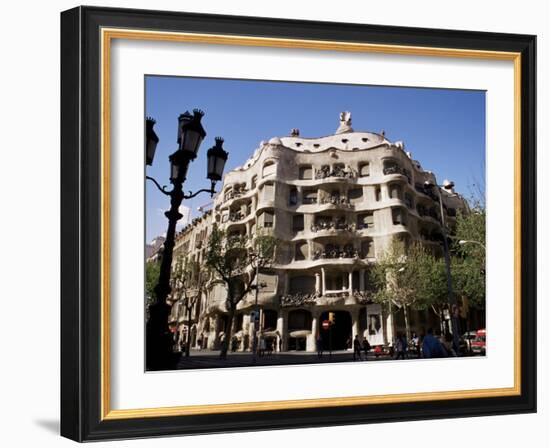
(320, 262)
(329, 298)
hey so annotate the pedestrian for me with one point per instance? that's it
(262, 346)
(416, 343)
(431, 346)
(378, 351)
(356, 348)
(319, 344)
(366, 348)
(400, 346)
(447, 343)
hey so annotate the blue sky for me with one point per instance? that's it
(443, 128)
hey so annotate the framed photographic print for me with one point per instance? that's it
(276, 224)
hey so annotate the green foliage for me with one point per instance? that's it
(234, 259)
(412, 278)
(468, 264)
(152, 272)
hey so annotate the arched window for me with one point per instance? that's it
(293, 196)
(306, 172)
(399, 216)
(395, 191)
(364, 169)
(301, 251)
(367, 248)
(299, 320)
(269, 168)
(303, 284)
(355, 195)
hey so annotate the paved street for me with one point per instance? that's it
(211, 359)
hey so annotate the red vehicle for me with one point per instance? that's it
(478, 344)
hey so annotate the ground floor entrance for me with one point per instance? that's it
(339, 335)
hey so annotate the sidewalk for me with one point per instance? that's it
(208, 359)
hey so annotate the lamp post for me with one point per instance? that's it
(450, 294)
(189, 138)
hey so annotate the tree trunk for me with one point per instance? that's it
(188, 344)
(227, 331)
(407, 325)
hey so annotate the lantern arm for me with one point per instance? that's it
(210, 190)
(161, 189)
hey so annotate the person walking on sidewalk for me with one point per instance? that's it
(356, 348)
(400, 346)
(319, 344)
(431, 346)
(366, 348)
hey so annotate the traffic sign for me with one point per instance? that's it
(326, 325)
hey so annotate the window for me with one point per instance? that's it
(301, 251)
(409, 200)
(378, 194)
(269, 168)
(227, 194)
(365, 221)
(267, 219)
(364, 169)
(391, 167)
(306, 172)
(268, 191)
(355, 195)
(293, 196)
(395, 191)
(298, 223)
(310, 196)
(253, 182)
(367, 249)
(399, 216)
(300, 319)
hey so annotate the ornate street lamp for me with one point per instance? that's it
(450, 294)
(151, 140)
(190, 133)
(190, 136)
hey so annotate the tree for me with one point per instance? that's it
(235, 261)
(409, 278)
(469, 261)
(189, 280)
(152, 271)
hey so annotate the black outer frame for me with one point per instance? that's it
(81, 223)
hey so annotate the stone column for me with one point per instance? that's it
(323, 282)
(248, 325)
(213, 337)
(389, 333)
(310, 342)
(350, 283)
(282, 330)
(384, 192)
(317, 283)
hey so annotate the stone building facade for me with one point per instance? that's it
(334, 204)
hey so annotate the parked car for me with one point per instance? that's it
(466, 342)
(478, 344)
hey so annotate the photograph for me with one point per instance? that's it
(333, 223)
